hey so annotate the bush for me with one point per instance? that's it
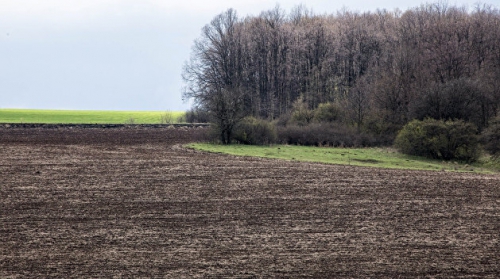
(301, 115)
(383, 131)
(328, 112)
(169, 118)
(324, 134)
(491, 138)
(255, 131)
(284, 119)
(439, 140)
(197, 116)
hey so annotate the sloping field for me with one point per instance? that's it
(134, 203)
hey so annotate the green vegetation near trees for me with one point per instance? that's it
(90, 117)
(367, 157)
(276, 64)
(351, 79)
(255, 131)
(437, 139)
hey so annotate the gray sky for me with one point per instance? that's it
(119, 54)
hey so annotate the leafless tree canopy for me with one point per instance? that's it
(435, 61)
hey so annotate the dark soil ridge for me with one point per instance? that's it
(103, 126)
(110, 134)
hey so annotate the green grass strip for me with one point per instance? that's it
(90, 117)
(366, 157)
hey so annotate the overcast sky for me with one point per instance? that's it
(119, 54)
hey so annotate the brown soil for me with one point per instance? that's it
(132, 202)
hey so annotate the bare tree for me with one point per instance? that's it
(383, 64)
(214, 73)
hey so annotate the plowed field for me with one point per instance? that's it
(133, 203)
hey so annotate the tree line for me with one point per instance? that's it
(376, 70)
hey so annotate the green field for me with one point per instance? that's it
(368, 157)
(90, 116)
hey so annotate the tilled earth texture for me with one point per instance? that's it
(132, 202)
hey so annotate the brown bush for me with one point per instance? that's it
(325, 134)
(255, 131)
(197, 116)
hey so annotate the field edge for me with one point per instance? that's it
(384, 158)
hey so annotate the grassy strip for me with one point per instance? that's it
(89, 117)
(367, 157)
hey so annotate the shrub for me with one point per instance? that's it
(324, 134)
(328, 112)
(255, 131)
(383, 131)
(491, 138)
(463, 141)
(284, 119)
(167, 118)
(439, 140)
(197, 116)
(301, 114)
